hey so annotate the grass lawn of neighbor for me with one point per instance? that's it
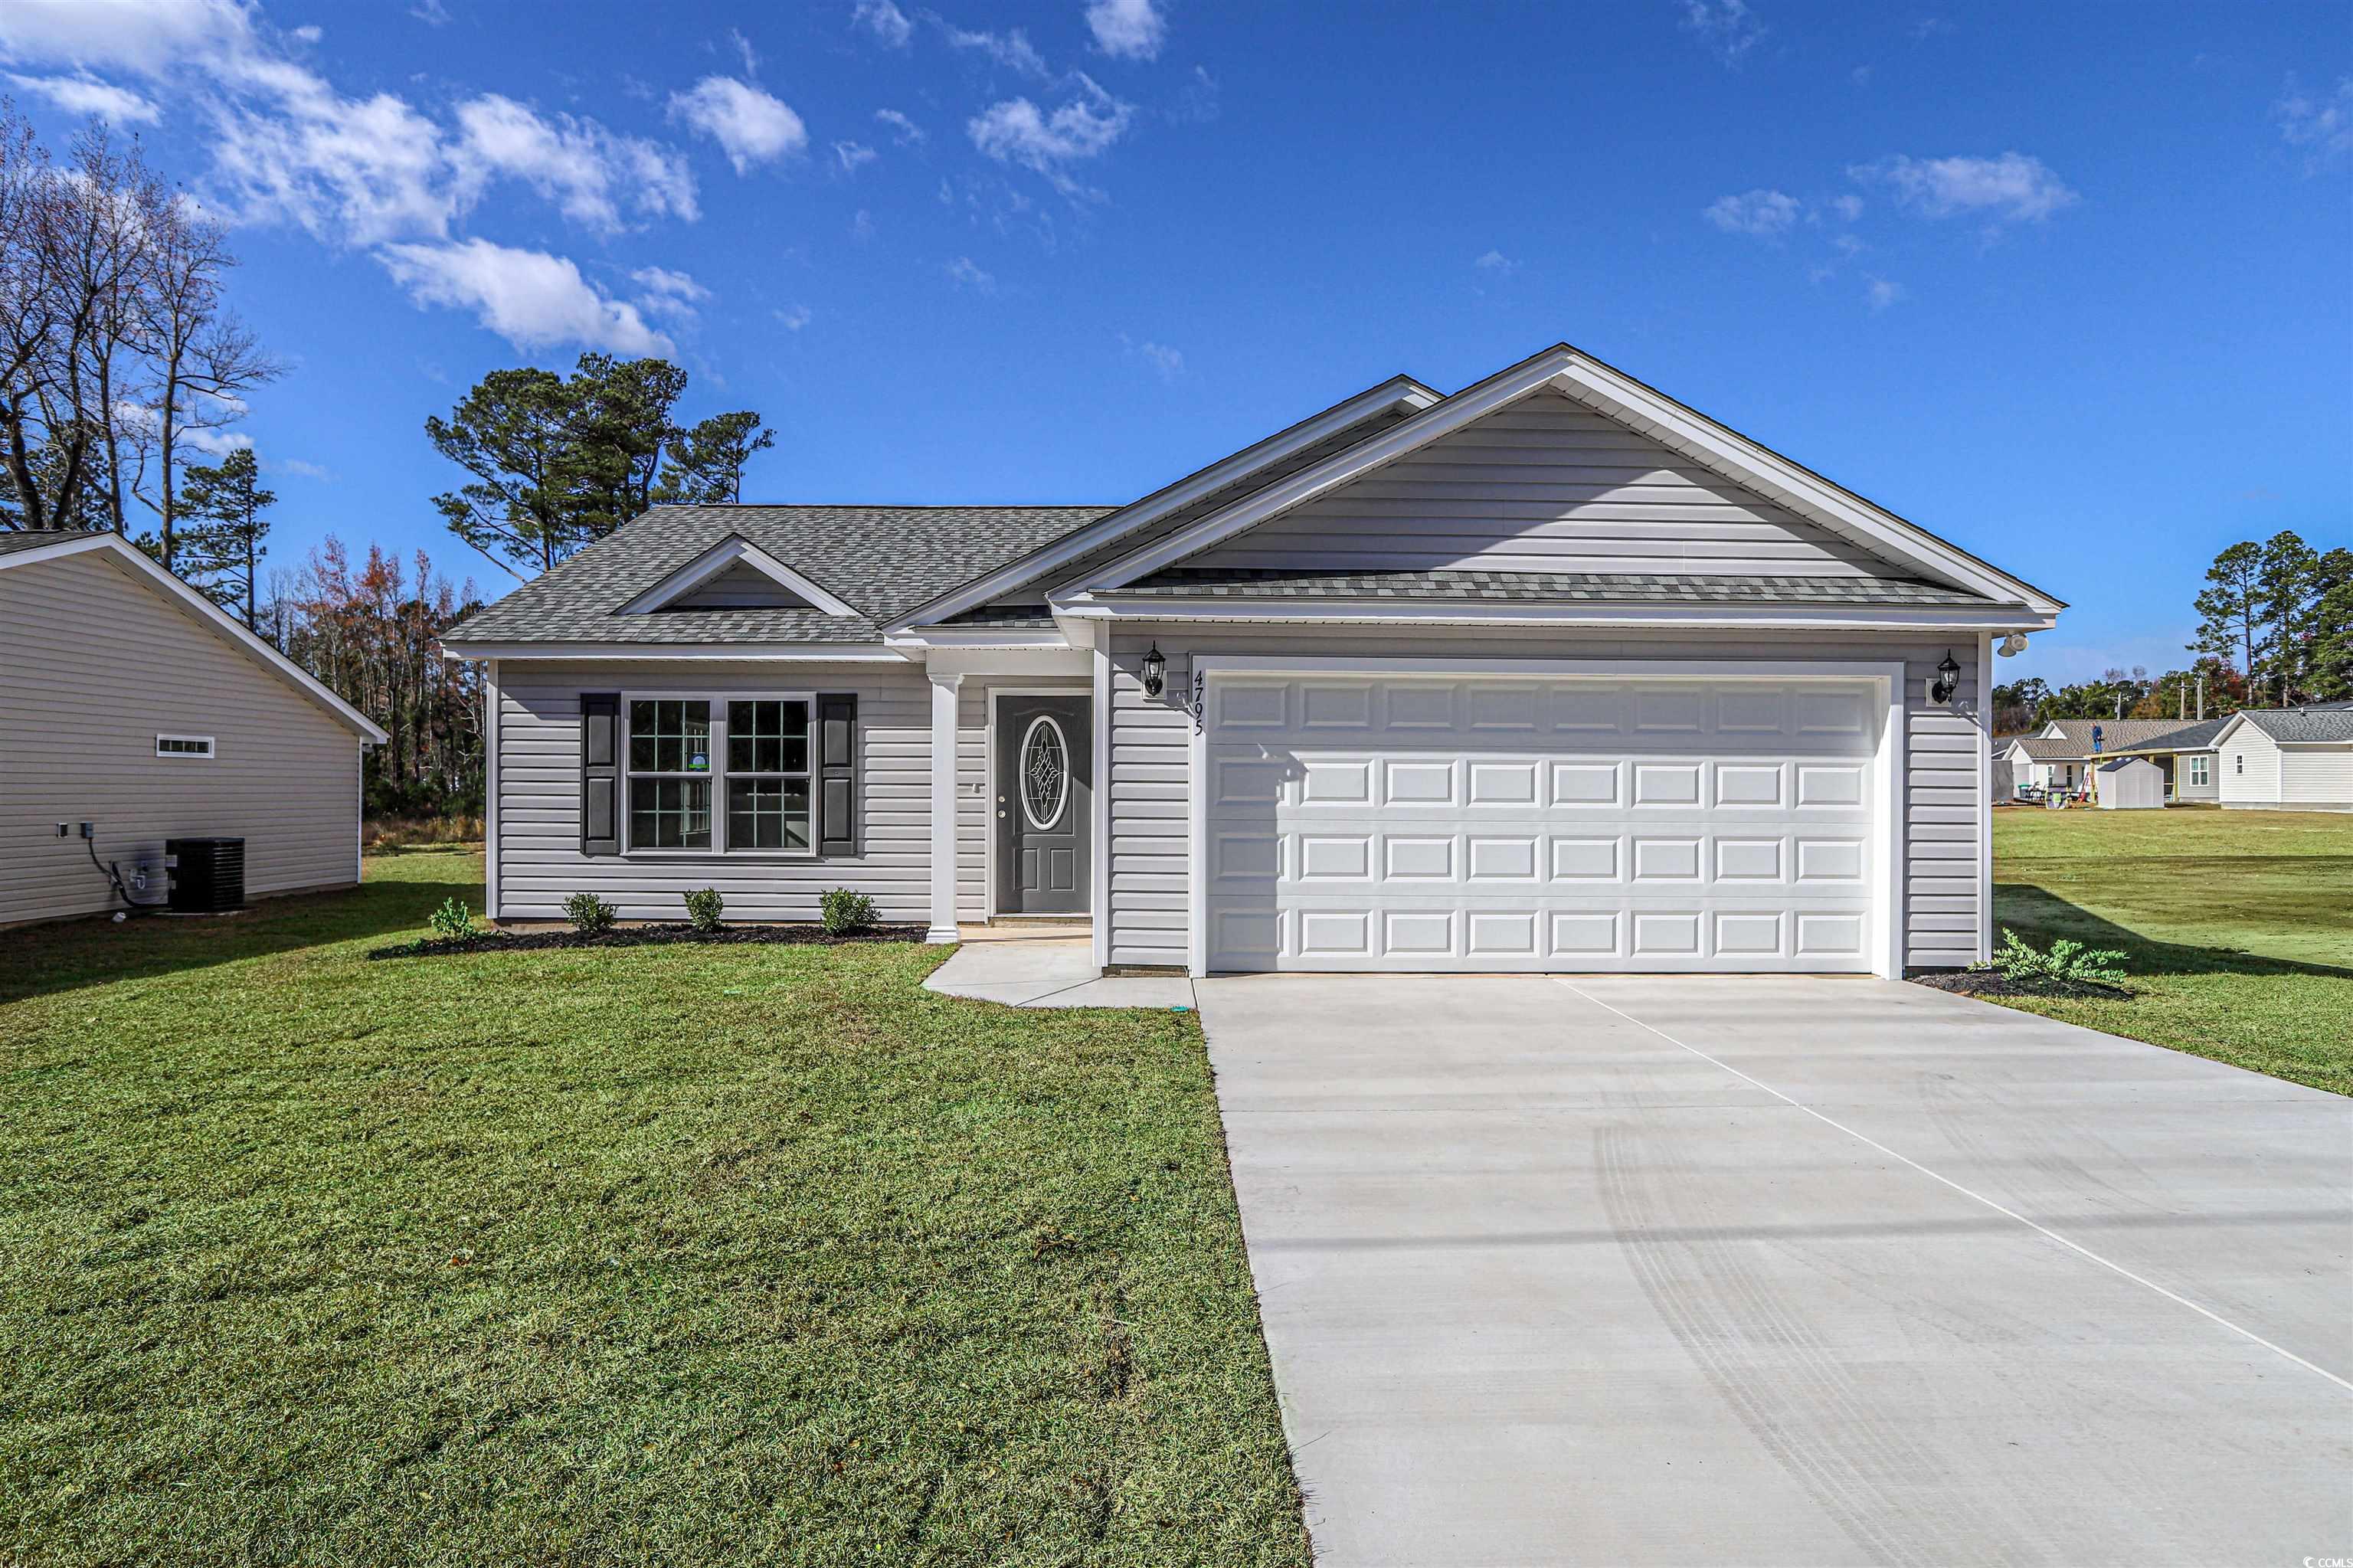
(652, 1255)
(2237, 926)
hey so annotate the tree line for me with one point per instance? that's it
(2275, 629)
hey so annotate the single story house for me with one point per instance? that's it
(134, 704)
(2294, 760)
(1552, 672)
(2064, 754)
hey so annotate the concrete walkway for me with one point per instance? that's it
(1784, 1271)
(1047, 967)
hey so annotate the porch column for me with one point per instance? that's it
(944, 807)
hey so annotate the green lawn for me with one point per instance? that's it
(656, 1254)
(2237, 926)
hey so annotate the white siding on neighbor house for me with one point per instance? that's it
(2250, 764)
(539, 797)
(1546, 485)
(1150, 828)
(2316, 776)
(98, 663)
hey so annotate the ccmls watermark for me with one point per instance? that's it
(2328, 1563)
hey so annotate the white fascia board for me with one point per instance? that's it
(1401, 391)
(783, 652)
(1585, 380)
(728, 552)
(977, 637)
(1828, 617)
(217, 618)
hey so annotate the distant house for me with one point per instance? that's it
(132, 702)
(2064, 754)
(2295, 759)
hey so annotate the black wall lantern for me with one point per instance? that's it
(1948, 679)
(1156, 672)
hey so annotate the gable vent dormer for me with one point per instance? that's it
(736, 573)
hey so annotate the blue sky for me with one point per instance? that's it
(2067, 285)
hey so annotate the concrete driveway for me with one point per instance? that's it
(1785, 1271)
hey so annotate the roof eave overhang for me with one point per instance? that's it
(1399, 391)
(1588, 381)
(640, 652)
(1993, 618)
(932, 637)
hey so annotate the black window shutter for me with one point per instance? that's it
(837, 768)
(600, 735)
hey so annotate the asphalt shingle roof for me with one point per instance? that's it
(16, 539)
(881, 560)
(2294, 725)
(1584, 587)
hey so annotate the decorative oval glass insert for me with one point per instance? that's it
(1045, 772)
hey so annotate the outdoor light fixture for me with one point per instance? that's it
(1156, 672)
(1948, 677)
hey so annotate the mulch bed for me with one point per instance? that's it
(646, 937)
(1993, 982)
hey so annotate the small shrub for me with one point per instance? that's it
(453, 922)
(704, 906)
(588, 913)
(840, 910)
(2067, 962)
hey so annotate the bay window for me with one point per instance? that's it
(719, 775)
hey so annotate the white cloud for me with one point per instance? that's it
(150, 37)
(853, 156)
(2012, 188)
(1728, 27)
(1880, 293)
(1762, 212)
(1859, 75)
(215, 443)
(1168, 361)
(2321, 123)
(885, 21)
(751, 125)
(743, 47)
(1497, 264)
(577, 164)
(1127, 29)
(298, 468)
(1011, 49)
(1848, 206)
(966, 275)
(862, 227)
(1016, 131)
(793, 317)
(88, 95)
(668, 293)
(903, 130)
(432, 13)
(529, 298)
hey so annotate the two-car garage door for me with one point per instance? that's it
(1432, 823)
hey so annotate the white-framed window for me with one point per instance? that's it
(2200, 772)
(195, 746)
(717, 775)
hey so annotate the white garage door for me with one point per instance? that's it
(1433, 823)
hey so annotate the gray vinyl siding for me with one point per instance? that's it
(98, 663)
(1149, 814)
(539, 797)
(2184, 789)
(1546, 485)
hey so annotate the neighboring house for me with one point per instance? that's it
(2296, 759)
(1551, 673)
(2064, 754)
(132, 702)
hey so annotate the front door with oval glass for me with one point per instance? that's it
(1044, 804)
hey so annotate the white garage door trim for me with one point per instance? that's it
(1887, 758)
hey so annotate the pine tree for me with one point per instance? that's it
(220, 547)
(2290, 578)
(2230, 607)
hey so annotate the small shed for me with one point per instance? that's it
(2131, 784)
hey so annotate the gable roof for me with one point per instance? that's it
(2048, 748)
(878, 561)
(2124, 762)
(23, 550)
(735, 554)
(2328, 725)
(1609, 391)
(1174, 505)
(2123, 735)
(1591, 587)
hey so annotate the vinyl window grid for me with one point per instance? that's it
(755, 783)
